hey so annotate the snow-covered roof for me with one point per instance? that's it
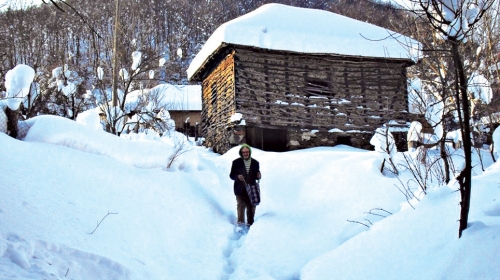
(286, 28)
(174, 97)
(182, 97)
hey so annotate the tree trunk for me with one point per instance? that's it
(12, 119)
(114, 98)
(445, 158)
(464, 179)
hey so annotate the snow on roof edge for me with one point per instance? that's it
(223, 45)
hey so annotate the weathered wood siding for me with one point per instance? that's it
(300, 92)
(323, 92)
(218, 104)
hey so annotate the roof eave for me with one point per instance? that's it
(198, 74)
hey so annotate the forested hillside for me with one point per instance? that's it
(80, 36)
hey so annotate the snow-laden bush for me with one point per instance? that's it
(496, 142)
(18, 82)
(384, 143)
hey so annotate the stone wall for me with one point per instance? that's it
(301, 139)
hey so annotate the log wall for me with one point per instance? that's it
(319, 91)
(298, 91)
(218, 104)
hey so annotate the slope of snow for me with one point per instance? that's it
(82, 204)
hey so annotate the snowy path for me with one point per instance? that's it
(223, 208)
(235, 242)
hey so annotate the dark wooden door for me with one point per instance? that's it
(272, 140)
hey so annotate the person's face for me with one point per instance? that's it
(246, 153)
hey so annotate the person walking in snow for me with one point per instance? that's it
(245, 171)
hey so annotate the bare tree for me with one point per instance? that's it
(454, 21)
(181, 147)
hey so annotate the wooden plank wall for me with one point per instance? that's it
(319, 92)
(218, 104)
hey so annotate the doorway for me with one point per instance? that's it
(266, 139)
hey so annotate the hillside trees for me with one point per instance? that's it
(380, 13)
(49, 35)
(78, 36)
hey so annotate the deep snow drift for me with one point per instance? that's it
(83, 204)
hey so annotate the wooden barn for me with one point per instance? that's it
(283, 78)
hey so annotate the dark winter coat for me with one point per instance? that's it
(238, 168)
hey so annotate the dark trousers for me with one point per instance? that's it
(243, 204)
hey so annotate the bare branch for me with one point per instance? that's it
(359, 223)
(376, 214)
(99, 223)
(179, 149)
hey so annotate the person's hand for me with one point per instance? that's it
(241, 178)
(258, 175)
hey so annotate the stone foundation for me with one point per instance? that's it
(302, 139)
(224, 139)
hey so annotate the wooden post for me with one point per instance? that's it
(196, 127)
(115, 55)
(12, 119)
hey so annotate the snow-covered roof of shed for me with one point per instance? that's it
(173, 97)
(286, 28)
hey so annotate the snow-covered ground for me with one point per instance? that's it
(77, 203)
